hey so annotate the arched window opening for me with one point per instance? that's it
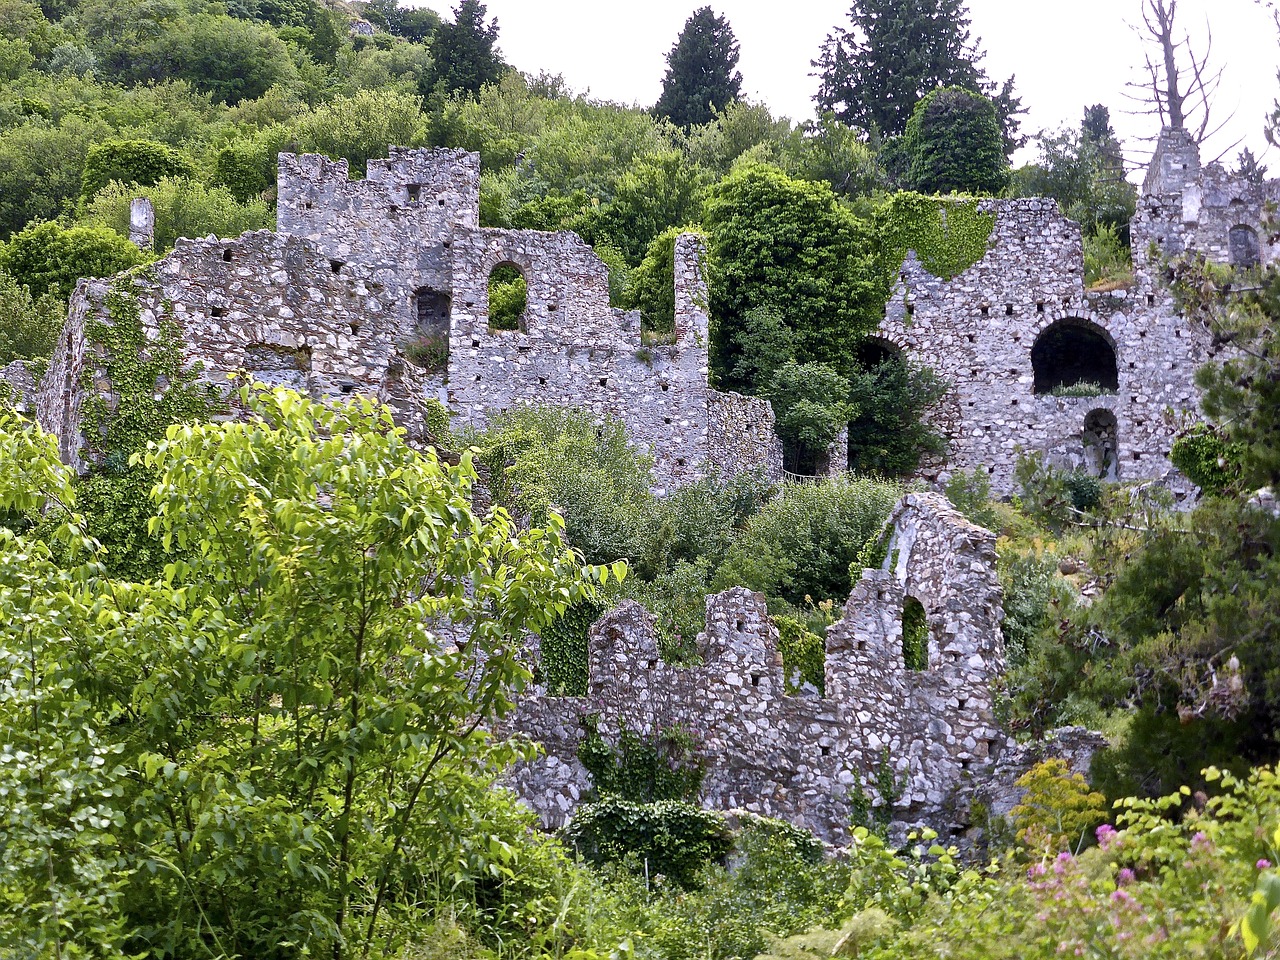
(1100, 437)
(915, 635)
(508, 298)
(429, 348)
(1074, 358)
(1243, 248)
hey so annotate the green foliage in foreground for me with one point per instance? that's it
(243, 756)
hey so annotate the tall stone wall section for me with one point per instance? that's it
(978, 332)
(265, 303)
(795, 756)
(361, 271)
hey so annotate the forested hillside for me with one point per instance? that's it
(226, 727)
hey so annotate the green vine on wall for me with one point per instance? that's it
(948, 234)
(564, 650)
(643, 768)
(147, 386)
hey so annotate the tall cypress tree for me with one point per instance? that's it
(873, 74)
(464, 54)
(701, 76)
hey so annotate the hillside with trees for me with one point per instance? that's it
(226, 727)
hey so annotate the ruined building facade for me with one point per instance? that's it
(1097, 381)
(362, 275)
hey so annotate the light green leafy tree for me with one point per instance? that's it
(285, 750)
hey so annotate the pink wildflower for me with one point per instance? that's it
(1124, 877)
(1264, 864)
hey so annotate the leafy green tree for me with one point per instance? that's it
(873, 73)
(889, 432)
(811, 404)
(141, 162)
(183, 208)
(283, 690)
(41, 164)
(47, 258)
(362, 126)
(29, 326)
(741, 128)
(756, 349)
(231, 60)
(953, 144)
(702, 76)
(1084, 172)
(790, 246)
(827, 149)
(651, 285)
(655, 192)
(464, 52)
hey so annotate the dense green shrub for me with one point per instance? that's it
(811, 407)
(544, 457)
(1208, 461)
(132, 162)
(651, 286)
(802, 542)
(48, 258)
(669, 838)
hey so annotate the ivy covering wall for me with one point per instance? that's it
(948, 234)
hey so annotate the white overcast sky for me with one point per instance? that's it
(1064, 55)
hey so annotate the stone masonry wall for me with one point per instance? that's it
(264, 302)
(978, 332)
(334, 302)
(796, 757)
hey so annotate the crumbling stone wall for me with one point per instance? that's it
(796, 756)
(17, 387)
(980, 331)
(264, 302)
(360, 273)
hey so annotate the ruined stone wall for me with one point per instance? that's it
(978, 332)
(1186, 208)
(266, 303)
(18, 387)
(793, 756)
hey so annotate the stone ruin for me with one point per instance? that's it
(359, 273)
(362, 275)
(797, 755)
(1017, 334)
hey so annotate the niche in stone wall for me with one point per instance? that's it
(508, 298)
(429, 346)
(1101, 438)
(1074, 357)
(915, 635)
(1242, 247)
(278, 365)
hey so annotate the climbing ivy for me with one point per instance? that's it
(643, 767)
(1208, 461)
(948, 234)
(564, 650)
(149, 385)
(804, 654)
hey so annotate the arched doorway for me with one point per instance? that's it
(1243, 248)
(1100, 437)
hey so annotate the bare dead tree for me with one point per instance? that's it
(1180, 85)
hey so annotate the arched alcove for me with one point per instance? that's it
(1073, 352)
(508, 298)
(915, 635)
(1100, 437)
(1243, 248)
(871, 352)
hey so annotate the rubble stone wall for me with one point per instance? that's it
(360, 273)
(796, 756)
(978, 331)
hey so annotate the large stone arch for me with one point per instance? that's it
(1073, 350)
